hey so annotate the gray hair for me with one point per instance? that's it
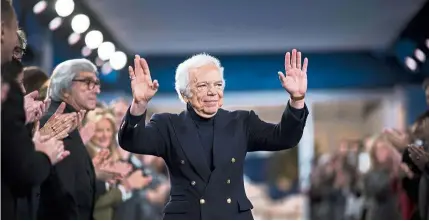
(63, 75)
(22, 38)
(182, 72)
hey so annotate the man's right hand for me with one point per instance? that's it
(143, 88)
(52, 147)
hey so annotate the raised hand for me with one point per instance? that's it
(52, 147)
(295, 81)
(142, 86)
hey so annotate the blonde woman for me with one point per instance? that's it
(103, 137)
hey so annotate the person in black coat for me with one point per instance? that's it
(204, 146)
(72, 186)
(69, 191)
(24, 164)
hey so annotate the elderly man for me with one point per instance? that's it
(205, 146)
(69, 191)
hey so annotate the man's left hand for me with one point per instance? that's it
(295, 81)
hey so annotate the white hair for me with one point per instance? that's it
(63, 75)
(182, 72)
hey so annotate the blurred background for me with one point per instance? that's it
(367, 63)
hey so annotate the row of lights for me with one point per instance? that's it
(108, 57)
(419, 56)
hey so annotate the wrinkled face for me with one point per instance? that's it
(84, 90)
(206, 87)
(104, 133)
(9, 38)
(119, 110)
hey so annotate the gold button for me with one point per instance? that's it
(233, 160)
(228, 181)
(193, 183)
(228, 200)
(182, 162)
(202, 201)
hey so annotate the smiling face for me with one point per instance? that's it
(104, 132)
(206, 88)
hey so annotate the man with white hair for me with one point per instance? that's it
(69, 191)
(205, 146)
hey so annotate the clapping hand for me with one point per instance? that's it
(136, 181)
(398, 138)
(52, 147)
(419, 157)
(34, 109)
(295, 80)
(107, 169)
(58, 125)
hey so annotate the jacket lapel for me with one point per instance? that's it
(187, 134)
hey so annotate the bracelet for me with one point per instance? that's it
(297, 98)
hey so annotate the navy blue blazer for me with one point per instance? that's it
(196, 191)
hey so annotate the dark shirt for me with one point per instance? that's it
(205, 130)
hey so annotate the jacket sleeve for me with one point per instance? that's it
(109, 199)
(137, 137)
(265, 136)
(22, 166)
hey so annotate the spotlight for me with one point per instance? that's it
(118, 60)
(74, 38)
(86, 51)
(106, 69)
(99, 62)
(55, 23)
(39, 7)
(105, 50)
(80, 23)
(411, 63)
(93, 39)
(64, 8)
(420, 55)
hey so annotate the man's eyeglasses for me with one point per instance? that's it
(89, 83)
(18, 53)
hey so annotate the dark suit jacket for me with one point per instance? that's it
(196, 191)
(424, 194)
(22, 168)
(69, 192)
